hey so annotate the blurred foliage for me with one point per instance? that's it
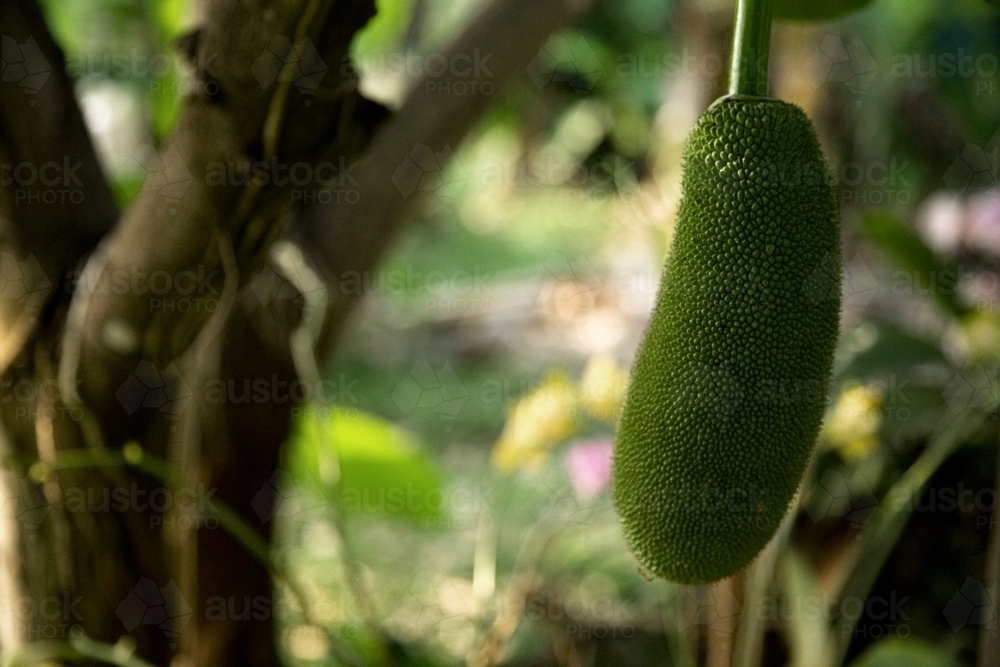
(909, 251)
(817, 10)
(373, 466)
(551, 413)
(903, 653)
(486, 363)
(384, 32)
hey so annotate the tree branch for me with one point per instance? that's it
(212, 176)
(55, 203)
(435, 117)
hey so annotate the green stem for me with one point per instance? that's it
(890, 518)
(79, 648)
(229, 519)
(751, 46)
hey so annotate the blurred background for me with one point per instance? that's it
(468, 415)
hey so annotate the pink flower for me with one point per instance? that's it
(589, 467)
(947, 222)
(983, 230)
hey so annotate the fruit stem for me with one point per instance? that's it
(751, 46)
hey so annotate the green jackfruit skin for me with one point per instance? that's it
(730, 383)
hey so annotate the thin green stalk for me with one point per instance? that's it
(134, 457)
(750, 633)
(989, 642)
(751, 47)
(890, 518)
(80, 648)
(229, 519)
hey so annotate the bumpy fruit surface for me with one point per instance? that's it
(730, 383)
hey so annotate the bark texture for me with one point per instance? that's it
(107, 367)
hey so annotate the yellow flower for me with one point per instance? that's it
(982, 333)
(536, 424)
(602, 387)
(853, 423)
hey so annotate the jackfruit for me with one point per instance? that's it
(730, 382)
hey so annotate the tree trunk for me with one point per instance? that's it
(90, 369)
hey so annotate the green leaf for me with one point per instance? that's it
(926, 272)
(874, 351)
(886, 525)
(170, 15)
(125, 189)
(906, 369)
(166, 103)
(385, 30)
(816, 10)
(165, 91)
(899, 652)
(808, 634)
(364, 464)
